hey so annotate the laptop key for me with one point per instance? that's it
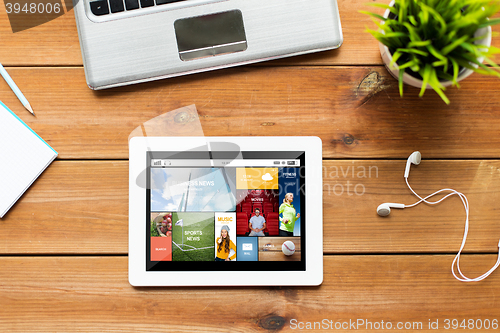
(99, 7)
(162, 2)
(147, 3)
(116, 6)
(131, 4)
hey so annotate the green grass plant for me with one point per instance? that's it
(433, 40)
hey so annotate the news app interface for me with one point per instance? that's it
(214, 212)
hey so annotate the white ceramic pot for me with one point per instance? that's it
(412, 81)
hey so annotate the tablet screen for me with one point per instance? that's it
(225, 211)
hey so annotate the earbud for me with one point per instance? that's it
(385, 208)
(414, 158)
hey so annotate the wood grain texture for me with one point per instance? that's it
(75, 294)
(81, 207)
(56, 42)
(53, 43)
(356, 111)
(352, 191)
(74, 207)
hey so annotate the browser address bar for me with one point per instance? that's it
(224, 163)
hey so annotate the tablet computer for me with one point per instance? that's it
(232, 211)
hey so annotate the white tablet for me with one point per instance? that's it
(232, 211)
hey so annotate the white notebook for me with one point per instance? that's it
(23, 157)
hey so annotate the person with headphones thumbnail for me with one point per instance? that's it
(225, 245)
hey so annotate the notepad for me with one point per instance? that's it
(23, 157)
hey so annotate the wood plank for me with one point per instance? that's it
(356, 111)
(74, 207)
(82, 207)
(352, 191)
(56, 42)
(67, 294)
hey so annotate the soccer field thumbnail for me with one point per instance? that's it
(193, 237)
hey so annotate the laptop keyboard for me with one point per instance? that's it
(105, 7)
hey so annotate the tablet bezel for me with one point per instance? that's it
(313, 274)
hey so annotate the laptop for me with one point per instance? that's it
(232, 211)
(132, 41)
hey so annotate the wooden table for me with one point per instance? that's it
(63, 247)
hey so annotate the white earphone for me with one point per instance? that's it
(385, 209)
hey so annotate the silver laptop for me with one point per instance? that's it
(132, 41)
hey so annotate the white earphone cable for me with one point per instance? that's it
(456, 260)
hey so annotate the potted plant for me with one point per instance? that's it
(432, 44)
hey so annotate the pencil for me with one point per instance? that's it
(16, 90)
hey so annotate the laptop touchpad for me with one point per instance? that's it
(210, 35)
